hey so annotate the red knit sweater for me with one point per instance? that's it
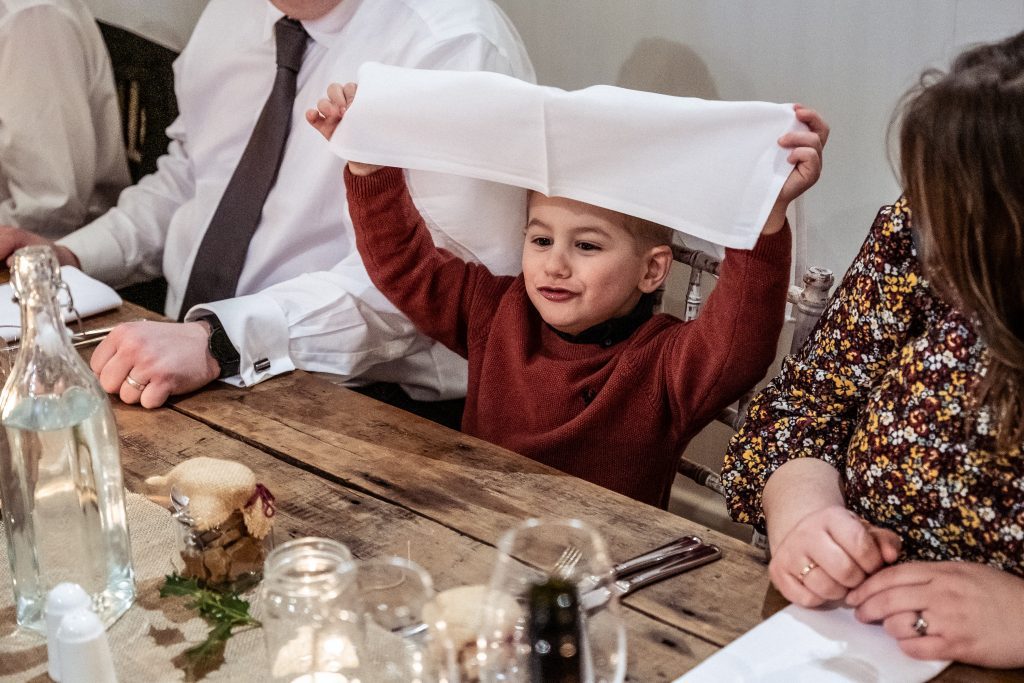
(618, 416)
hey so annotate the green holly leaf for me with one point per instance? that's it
(223, 611)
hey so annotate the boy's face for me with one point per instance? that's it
(581, 264)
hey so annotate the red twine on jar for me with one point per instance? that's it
(262, 494)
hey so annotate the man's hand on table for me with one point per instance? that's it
(165, 359)
(12, 239)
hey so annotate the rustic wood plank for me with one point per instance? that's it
(154, 441)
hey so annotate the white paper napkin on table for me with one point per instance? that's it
(91, 297)
(799, 645)
(706, 168)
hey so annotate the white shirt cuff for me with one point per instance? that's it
(98, 252)
(258, 328)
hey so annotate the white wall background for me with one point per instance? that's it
(849, 59)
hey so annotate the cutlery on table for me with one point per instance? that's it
(696, 556)
(79, 339)
(663, 562)
(672, 550)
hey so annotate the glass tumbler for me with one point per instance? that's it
(541, 620)
(399, 646)
(311, 615)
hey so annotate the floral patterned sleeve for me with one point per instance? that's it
(813, 406)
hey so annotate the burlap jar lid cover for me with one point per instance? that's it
(710, 169)
(215, 489)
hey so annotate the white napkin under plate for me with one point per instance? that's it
(706, 168)
(799, 645)
(91, 297)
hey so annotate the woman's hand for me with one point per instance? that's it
(827, 553)
(973, 613)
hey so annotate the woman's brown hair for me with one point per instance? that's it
(961, 145)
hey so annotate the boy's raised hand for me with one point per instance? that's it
(805, 152)
(329, 112)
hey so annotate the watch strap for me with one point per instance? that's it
(221, 348)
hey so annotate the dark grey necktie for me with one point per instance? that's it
(222, 252)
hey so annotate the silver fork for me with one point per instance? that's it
(566, 563)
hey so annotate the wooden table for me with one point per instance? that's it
(383, 481)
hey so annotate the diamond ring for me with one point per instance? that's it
(921, 626)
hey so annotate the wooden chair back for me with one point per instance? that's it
(144, 79)
(145, 92)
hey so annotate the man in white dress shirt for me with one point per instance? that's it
(62, 160)
(303, 299)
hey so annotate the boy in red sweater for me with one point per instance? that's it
(567, 363)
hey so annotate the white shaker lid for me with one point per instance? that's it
(63, 598)
(85, 655)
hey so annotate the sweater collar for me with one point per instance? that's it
(612, 331)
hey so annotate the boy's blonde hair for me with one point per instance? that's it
(648, 234)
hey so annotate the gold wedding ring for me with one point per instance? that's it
(135, 384)
(806, 570)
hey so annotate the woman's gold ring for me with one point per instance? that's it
(807, 570)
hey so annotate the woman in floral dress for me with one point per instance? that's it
(885, 462)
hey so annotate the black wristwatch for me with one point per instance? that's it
(221, 348)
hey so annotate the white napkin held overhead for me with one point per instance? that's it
(706, 168)
(800, 645)
(91, 297)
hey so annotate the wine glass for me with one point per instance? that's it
(540, 621)
(399, 645)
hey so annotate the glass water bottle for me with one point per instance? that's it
(60, 476)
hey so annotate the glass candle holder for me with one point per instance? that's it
(311, 614)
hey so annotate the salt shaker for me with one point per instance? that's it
(64, 598)
(84, 651)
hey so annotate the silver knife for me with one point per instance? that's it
(696, 557)
(657, 556)
(660, 555)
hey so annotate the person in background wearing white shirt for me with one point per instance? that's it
(303, 299)
(62, 160)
